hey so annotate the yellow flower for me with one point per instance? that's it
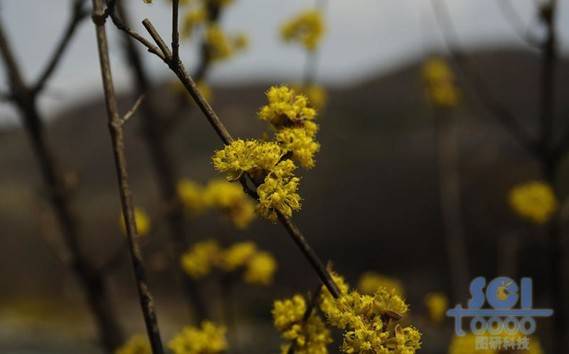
(439, 80)
(237, 255)
(317, 96)
(249, 156)
(209, 339)
(142, 221)
(300, 143)
(365, 320)
(192, 19)
(279, 191)
(192, 196)
(369, 282)
(232, 200)
(137, 344)
(286, 107)
(220, 46)
(437, 305)
(199, 260)
(306, 28)
(260, 269)
(534, 201)
(288, 312)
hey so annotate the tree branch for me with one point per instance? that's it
(520, 29)
(223, 133)
(117, 139)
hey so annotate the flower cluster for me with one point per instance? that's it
(218, 194)
(208, 339)
(439, 80)
(306, 28)
(370, 282)
(258, 267)
(309, 336)
(137, 344)
(271, 163)
(142, 221)
(369, 321)
(220, 46)
(437, 305)
(534, 201)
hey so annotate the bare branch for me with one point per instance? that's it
(158, 39)
(132, 111)
(175, 33)
(78, 14)
(117, 139)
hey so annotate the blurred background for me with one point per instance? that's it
(373, 203)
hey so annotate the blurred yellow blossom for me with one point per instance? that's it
(220, 46)
(209, 339)
(440, 83)
(316, 94)
(142, 221)
(200, 259)
(369, 282)
(192, 18)
(437, 305)
(192, 196)
(232, 200)
(260, 269)
(534, 201)
(306, 28)
(137, 344)
(237, 255)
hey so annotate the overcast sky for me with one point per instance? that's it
(364, 36)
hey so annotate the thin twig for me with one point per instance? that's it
(223, 133)
(175, 33)
(133, 110)
(117, 139)
(79, 13)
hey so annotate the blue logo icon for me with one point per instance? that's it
(500, 315)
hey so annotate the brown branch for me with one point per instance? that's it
(503, 115)
(133, 110)
(164, 169)
(117, 139)
(92, 282)
(175, 33)
(78, 14)
(223, 133)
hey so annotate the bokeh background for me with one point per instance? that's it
(371, 203)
